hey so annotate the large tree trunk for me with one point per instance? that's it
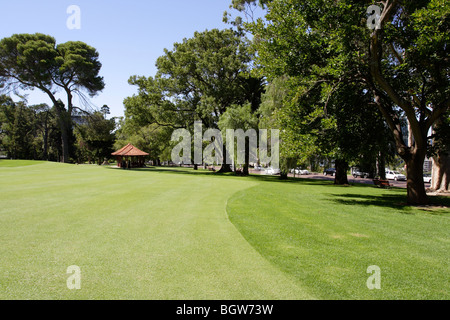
(245, 169)
(381, 165)
(341, 172)
(414, 174)
(441, 172)
(441, 163)
(225, 167)
(65, 123)
(65, 145)
(65, 127)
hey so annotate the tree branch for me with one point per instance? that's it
(375, 58)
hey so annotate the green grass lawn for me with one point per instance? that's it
(180, 234)
(327, 236)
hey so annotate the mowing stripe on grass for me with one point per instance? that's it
(144, 234)
(327, 236)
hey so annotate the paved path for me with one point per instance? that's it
(351, 179)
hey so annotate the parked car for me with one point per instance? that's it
(330, 171)
(257, 168)
(359, 174)
(300, 171)
(273, 171)
(427, 178)
(395, 175)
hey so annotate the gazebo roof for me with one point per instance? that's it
(130, 151)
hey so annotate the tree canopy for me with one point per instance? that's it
(403, 65)
(35, 61)
(199, 79)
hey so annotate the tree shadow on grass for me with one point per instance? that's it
(316, 181)
(396, 200)
(211, 174)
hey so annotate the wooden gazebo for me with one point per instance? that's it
(130, 157)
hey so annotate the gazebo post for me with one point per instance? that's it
(130, 156)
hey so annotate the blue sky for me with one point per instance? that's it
(128, 34)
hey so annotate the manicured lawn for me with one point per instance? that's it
(179, 234)
(134, 234)
(327, 236)
(18, 163)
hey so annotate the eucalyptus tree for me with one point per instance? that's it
(401, 59)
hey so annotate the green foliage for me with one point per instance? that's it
(403, 67)
(95, 138)
(197, 80)
(201, 78)
(35, 61)
(238, 117)
(28, 132)
(152, 138)
(78, 67)
(31, 61)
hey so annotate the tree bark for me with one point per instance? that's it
(441, 172)
(341, 177)
(441, 162)
(382, 166)
(245, 169)
(62, 119)
(414, 175)
(65, 123)
(225, 167)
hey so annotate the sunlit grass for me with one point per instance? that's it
(174, 233)
(327, 236)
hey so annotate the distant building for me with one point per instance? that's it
(427, 165)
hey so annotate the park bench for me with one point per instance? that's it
(381, 183)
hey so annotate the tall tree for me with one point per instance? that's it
(199, 79)
(409, 65)
(403, 63)
(240, 117)
(35, 61)
(342, 127)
